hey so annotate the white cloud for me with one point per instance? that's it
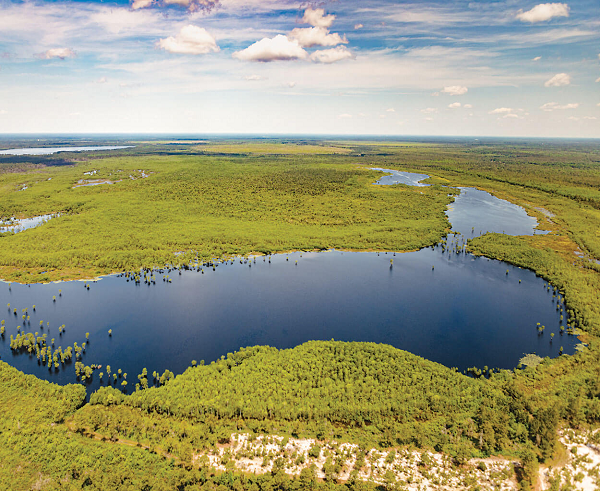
(391, 110)
(124, 22)
(102, 80)
(598, 80)
(345, 116)
(272, 49)
(193, 5)
(454, 105)
(61, 53)
(501, 110)
(558, 80)
(141, 4)
(428, 119)
(191, 40)
(291, 85)
(468, 106)
(573, 118)
(429, 110)
(253, 78)
(316, 36)
(3, 111)
(551, 106)
(598, 104)
(455, 90)
(544, 11)
(537, 58)
(590, 117)
(358, 26)
(512, 115)
(331, 55)
(317, 18)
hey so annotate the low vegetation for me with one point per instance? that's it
(213, 200)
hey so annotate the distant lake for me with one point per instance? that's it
(51, 150)
(452, 308)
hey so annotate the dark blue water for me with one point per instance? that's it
(449, 307)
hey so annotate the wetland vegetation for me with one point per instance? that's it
(203, 201)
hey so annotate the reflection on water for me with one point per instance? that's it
(19, 224)
(400, 177)
(475, 212)
(51, 150)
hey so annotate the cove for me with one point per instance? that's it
(452, 308)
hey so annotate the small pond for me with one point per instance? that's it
(51, 150)
(20, 224)
(449, 307)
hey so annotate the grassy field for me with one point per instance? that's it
(210, 205)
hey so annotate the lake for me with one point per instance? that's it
(51, 150)
(451, 308)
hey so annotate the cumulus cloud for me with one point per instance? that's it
(191, 5)
(558, 80)
(454, 105)
(253, 78)
(468, 106)
(61, 53)
(537, 58)
(501, 110)
(317, 18)
(102, 80)
(358, 26)
(598, 80)
(512, 116)
(429, 110)
(455, 90)
(544, 11)
(590, 117)
(316, 36)
(141, 4)
(551, 106)
(331, 55)
(279, 48)
(191, 40)
(345, 116)
(390, 110)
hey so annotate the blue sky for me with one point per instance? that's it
(497, 68)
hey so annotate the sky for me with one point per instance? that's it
(355, 67)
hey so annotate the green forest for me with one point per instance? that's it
(223, 198)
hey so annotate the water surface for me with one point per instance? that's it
(400, 177)
(51, 150)
(20, 224)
